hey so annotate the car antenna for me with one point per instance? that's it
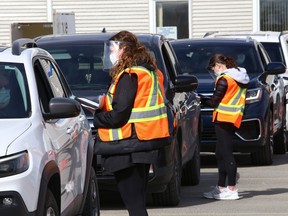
(103, 30)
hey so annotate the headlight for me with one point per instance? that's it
(14, 164)
(253, 95)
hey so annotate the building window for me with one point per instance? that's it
(172, 19)
(273, 15)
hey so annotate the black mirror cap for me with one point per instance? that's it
(63, 108)
(185, 83)
(275, 68)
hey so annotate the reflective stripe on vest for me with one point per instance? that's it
(232, 105)
(153, 111)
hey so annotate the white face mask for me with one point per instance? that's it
(4, 97)
(113, 58)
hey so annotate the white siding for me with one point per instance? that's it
(19, 11)
(115, 15)
(221, 15)
(133, 15)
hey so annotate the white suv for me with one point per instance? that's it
(46, 152)
(276, 45)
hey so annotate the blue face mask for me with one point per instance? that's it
(4, 97)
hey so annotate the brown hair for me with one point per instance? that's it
(222, 59)
(134, 53)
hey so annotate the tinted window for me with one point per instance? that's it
(82, 67)
(274, 50)
(14, 97)
(194, 58)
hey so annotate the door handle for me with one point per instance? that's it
(69, 130)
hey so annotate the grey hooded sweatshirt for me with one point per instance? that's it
(240, 76)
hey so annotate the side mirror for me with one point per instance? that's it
(185, 83)
(63, 108)
(275, 68)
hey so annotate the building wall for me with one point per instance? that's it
(133, 15)
(20, 11)
(220, 15)
(115, 15)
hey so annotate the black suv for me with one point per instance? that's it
(263, 114)
(80, 57)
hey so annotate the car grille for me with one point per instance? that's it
(250, 130)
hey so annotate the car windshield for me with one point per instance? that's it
(275, 52)
(194, 58)
(81, 65)
(14, 97)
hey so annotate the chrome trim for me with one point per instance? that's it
(260, 134)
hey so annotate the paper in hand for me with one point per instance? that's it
(90, 105)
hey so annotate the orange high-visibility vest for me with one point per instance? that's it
(232, 105)
(149, 114)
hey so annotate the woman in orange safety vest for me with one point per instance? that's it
(132, 123)
(228, 102)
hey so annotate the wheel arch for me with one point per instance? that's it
(50, 179)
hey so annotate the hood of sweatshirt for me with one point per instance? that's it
(240, 75)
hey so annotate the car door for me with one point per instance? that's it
(186, 106)
(277, 92)
(64, 135)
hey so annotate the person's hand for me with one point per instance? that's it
(204, 98)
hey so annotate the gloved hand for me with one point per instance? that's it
(101, 101)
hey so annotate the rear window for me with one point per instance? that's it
(194, 58)
(14, 97)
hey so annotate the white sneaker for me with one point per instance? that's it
(227, 194)
(216, 190)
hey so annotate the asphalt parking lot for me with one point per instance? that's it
(263, 191)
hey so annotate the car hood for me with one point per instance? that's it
(10, 130)
(206, 83)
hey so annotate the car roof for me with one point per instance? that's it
(89, 38)
(262, 36)
(239, 41)
(20, 50)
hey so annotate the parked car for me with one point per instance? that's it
(275, 44)
(81, 59)
(46, 153)
(263, 114)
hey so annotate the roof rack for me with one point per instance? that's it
(19, 43)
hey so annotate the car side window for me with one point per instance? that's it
(52, 77)
(48, 83)
(170, 61)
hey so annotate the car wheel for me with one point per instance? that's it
(92, 203)
(191, 172)
(280, 139)
(171, 196)
(264, 155)
(51, 207)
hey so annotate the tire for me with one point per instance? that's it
(50, 207)
(171, 196)
(280, 139)
(191, 172)
(92, 203)
(264, 155)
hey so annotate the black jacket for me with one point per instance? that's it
(220, 91)
(123, 153)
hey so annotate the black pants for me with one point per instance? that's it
(227, 167)
(132, 185)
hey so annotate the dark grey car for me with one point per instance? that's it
(80, 58)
